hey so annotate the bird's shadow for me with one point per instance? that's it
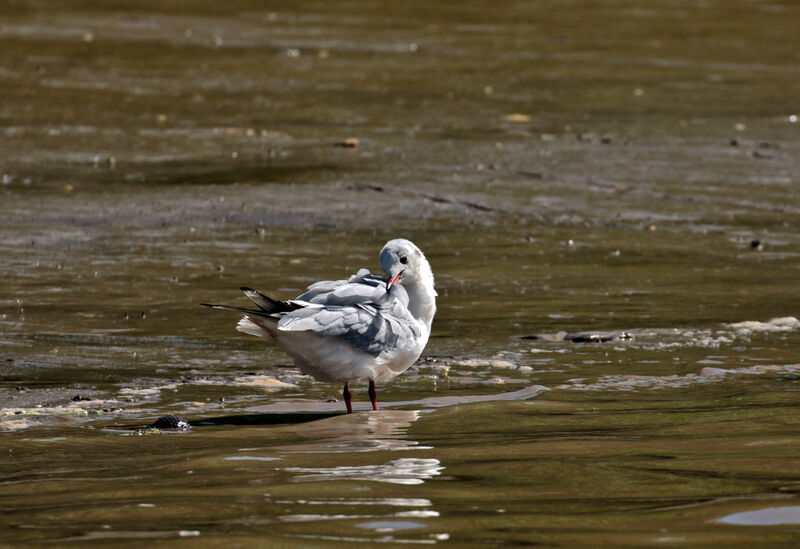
(325, 432)
(264, 419)
(316, 414)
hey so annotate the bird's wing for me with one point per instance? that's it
(317, 292)
(371, 328)
(358, 310)
(362, 288)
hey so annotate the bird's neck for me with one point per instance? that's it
(421, 303)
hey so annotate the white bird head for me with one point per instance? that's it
(403, 262)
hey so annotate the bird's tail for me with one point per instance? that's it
(254, 312)
(246, 323)
(266, 305)
(258, 321)
(247, 326)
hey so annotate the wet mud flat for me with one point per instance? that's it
(607, 195)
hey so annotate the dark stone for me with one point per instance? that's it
(174, 423)
(582, 337)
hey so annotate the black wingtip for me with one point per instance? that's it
(208, 305)
(246, 289)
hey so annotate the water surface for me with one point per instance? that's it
(606, 193)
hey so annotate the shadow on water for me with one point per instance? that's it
(262, 419)
(176, 424)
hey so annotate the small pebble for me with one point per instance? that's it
(349, 143)
(517, 117)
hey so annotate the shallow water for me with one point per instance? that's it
(613, 362)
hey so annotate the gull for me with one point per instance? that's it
(365, 328)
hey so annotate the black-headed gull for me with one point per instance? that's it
(365, 328)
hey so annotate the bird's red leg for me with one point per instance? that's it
(373, 396)
(346, 395)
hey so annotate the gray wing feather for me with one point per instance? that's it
(317, 292)
(370, 331)
(358, 310)
(320, 288)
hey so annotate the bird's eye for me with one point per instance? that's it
(403, 259)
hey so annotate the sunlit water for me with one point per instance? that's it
(606, 193)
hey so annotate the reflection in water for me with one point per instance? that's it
(360, 432)
(398, 471)
(388, 518)
(392, 502)
(384, 539)
(390, 525)
(251, 458)
(130, 534)
(364, 432)
(311, 518)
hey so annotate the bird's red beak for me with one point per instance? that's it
(392, 280)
